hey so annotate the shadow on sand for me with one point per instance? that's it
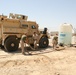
(37, 51)
(33, 52)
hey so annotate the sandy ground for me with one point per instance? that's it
(41, 62)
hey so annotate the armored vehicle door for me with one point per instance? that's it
(33, 28)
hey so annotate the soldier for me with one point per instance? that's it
(23, 43)
(55, 41)
(35, 37)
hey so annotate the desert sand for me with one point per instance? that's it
(41, 62)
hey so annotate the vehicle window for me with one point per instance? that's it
(24, 25)
(19, 17)
(33, 27)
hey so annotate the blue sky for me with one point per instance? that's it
(47, 13)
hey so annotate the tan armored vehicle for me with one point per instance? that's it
(14, 26)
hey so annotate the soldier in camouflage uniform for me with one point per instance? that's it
(23, 43)
(55, 41)
(35, 37)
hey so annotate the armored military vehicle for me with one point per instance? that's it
(12, 27)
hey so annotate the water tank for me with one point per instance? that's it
(65, 34)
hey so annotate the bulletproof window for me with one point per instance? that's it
(33, 27)
(19, 17)
(24, 25)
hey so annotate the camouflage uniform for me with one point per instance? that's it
(55, 41)
(35, 37)
(23, 43)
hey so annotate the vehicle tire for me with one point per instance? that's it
(43, 43)
(11, 44)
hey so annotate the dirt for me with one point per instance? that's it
(41, 62)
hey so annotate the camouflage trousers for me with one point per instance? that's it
(54, 43)
(23, 46)
(35, 44)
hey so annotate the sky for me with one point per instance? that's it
(47, 13)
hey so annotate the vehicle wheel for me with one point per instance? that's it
(11, 44)
(43, 43)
